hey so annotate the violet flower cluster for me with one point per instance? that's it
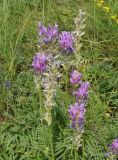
(82, 92)
(114, 147)
(75, 77)
(112, 153)
(113, 150)
(39, 62)
(77, 111)
(65, 39)
(49, 33)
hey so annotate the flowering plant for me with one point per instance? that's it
(113, 150)
(46, 64)
(107, 10)
(78, 110)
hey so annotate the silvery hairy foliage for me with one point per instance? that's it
(49, 82)
(79, 22)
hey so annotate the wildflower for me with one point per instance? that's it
(107, 9)
(42, 29)
(114, 147)
(75, 77)
(77, 112)
(39, 62)
(114, 17)
(82, 92)
(51, 33)
(100, 3)
(108, 115)
(66, 41)
(7, 84)
(48, 33)
(117, 21)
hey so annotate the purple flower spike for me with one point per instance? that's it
(55, 30)
(77, 112)
(75, 77)
(42, 29)
(66, 41)
(39, 62)
(114, 147)
(82, 92)
(49, 33)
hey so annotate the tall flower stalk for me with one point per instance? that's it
(39, 65)
(46, 68)
(78, 109)
(49, 86)
(78, 33)
(49, 89)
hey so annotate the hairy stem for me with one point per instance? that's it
(76, 155)
(51, 142)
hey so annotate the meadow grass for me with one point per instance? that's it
(22, 136)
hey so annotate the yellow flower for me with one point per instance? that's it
(117, 21)
(108, 115)
(107, 9)
(100, 3)
(114, 17)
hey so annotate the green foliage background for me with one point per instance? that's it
(22, 137)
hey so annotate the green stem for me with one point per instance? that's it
(43, 11)
(66, 86)
(40, 96)
(76, 155)
(51, 142)
(66, 82)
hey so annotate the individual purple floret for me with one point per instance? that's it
(82, 92)
(75, 77)
(39, 62)
(114, 147)
(42, 29)
(66, 41)
(49, 33)
(77, 112)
